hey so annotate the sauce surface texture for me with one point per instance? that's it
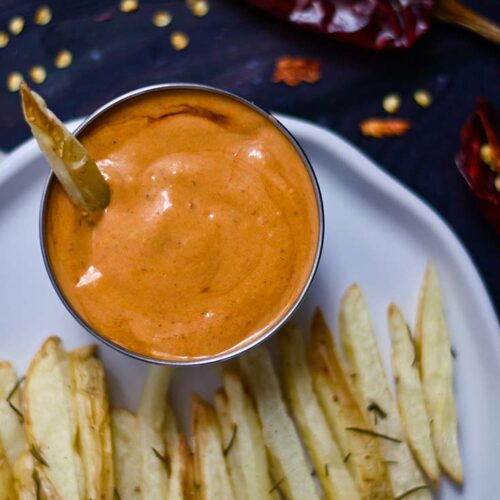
(210, 234)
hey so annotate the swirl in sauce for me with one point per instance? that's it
(210, 234)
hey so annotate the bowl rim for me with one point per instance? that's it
(245, 345)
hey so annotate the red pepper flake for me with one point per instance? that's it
(293, 71)
(480, 129)
(105, 16)
(384, 127)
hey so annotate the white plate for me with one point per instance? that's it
(377, 233)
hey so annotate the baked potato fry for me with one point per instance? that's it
(151, 420)
(210, 467)
(361, 452)
(11, 418)
(288, 461)
(126, 454)
(51, 424)
(436, 370)
(24, 484)
(94, 433)
(7, 491)
(409, 393)
(229, 435)
(326, 456)
(248, 447)
(191, 487)
(370, 380)
(69, 160)
(178, 456)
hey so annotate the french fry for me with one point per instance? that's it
(183, 456)
(327, 459)
(288, 461)
(126, 454)
(361, 452)
(178, 457)
(11, 418)
(248, 448)
(210, 467)
(151, 420)
(7, 491)
(70, 161)
(94, 434)
(371, 383)
(409, 392)
(191, 487)
(436, 370)
(229, 432)
(24, 483)
(51, 424)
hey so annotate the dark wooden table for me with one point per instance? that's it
(234, 47)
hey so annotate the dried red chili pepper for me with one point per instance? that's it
(377, 24)
(480, 129)
(371, 23)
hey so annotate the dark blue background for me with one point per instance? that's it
(235, 46)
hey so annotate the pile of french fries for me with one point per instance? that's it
(329, 427)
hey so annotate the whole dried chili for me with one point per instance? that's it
(482, 129)
(374, 24)
(377, 24)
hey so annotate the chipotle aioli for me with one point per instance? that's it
(210, 235)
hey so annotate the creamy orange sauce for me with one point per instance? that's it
(210, 234)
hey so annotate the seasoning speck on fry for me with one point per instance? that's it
(38, 74)
(179, 40)
(391, 103)
(43, 15)
(423, 98)
(200, 8)
(63, 59)
(162, 18)
(293, 71)
(16, 25)
(4, 39)
(384, 127)
(128, 6)
(14, 81)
